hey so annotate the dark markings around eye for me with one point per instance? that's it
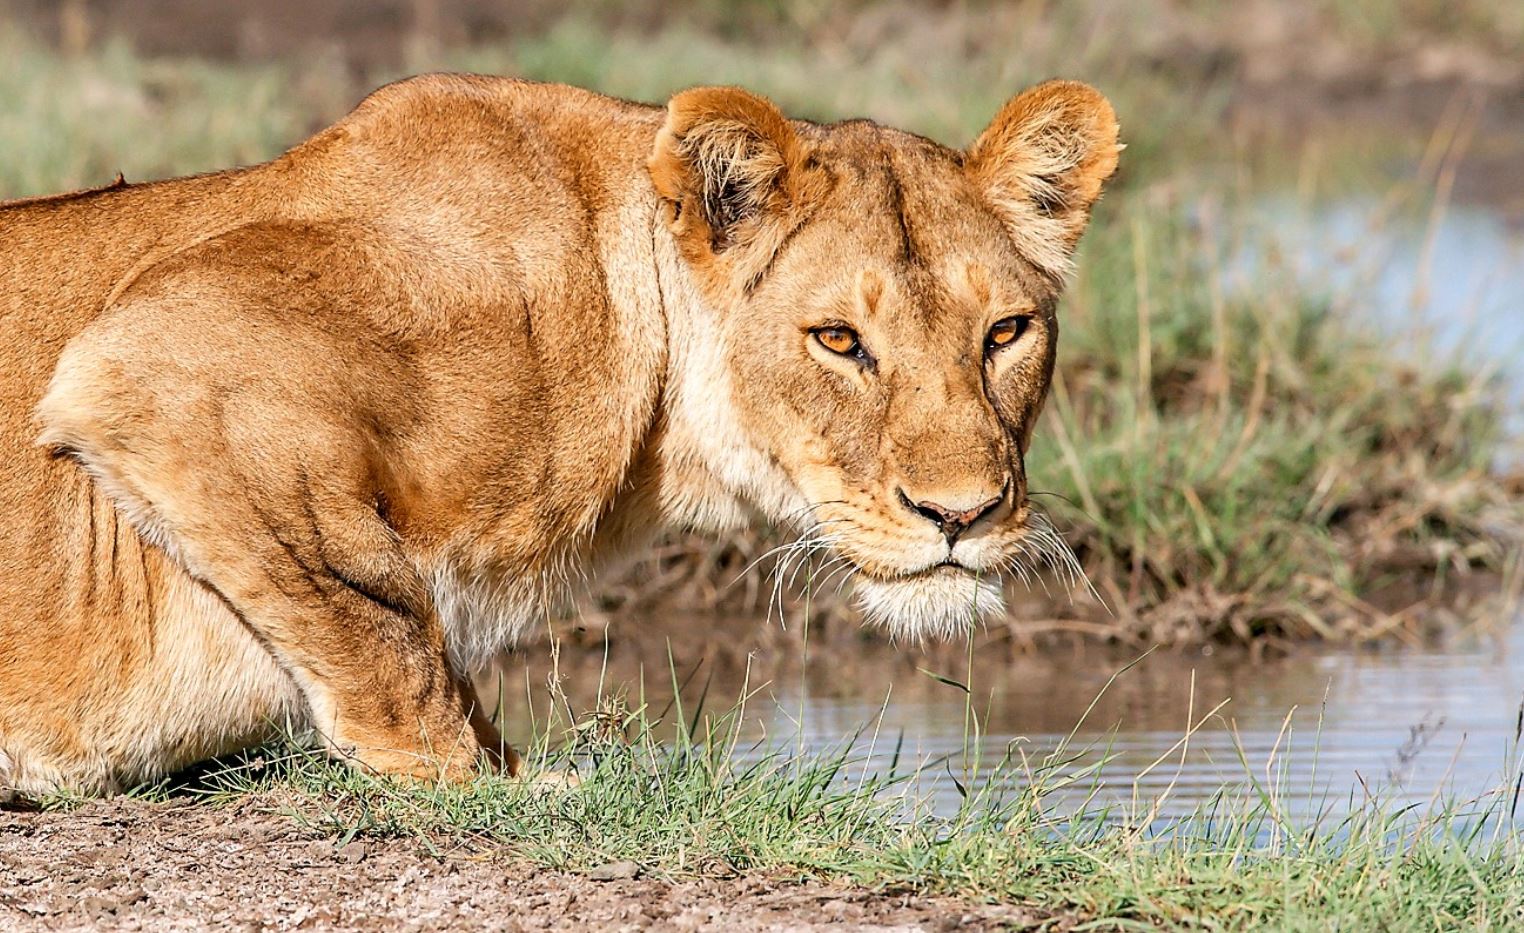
(843, 341)
(1005, 332)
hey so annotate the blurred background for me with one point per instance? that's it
(227, 81)
(1283, 440)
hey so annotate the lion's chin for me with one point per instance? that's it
(937, 605)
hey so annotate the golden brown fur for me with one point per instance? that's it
(307, 443)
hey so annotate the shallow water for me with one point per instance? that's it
(1320, 725)
(1324, 726)
(1457, 274)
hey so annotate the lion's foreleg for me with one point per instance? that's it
(269, 496)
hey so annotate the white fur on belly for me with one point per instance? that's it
(484, 613)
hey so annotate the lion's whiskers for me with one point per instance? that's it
(841, 570)
(795, 556)
(1041, 549)
(784, 547)
(1039, 554)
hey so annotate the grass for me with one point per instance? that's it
(1232, 463)
(1251, 463)
(700, 806)
(73, 121)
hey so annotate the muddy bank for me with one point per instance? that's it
(131, 865)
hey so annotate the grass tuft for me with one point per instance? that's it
(700, 806)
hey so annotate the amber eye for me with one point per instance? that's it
(842, 340)
(1005, 332)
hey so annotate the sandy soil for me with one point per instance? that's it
(130, 865)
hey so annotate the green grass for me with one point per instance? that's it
(75, 122)
(1251, 463)
(1231, 464)
(694, 807)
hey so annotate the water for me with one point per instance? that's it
(1320, 725)
(1324, 725)
(1457, 275)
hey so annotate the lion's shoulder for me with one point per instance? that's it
(445, 101)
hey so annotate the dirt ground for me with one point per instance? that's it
(130, 865)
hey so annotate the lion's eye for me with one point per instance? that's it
(842, 340)
(1006, 331)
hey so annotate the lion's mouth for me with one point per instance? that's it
(945, 569)
(936, 602)
(946, 566)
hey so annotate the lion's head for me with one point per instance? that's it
(887, 323)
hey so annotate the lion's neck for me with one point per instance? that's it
(700, 469)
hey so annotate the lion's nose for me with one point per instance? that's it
(951, 522)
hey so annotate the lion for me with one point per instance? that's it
(306, 444)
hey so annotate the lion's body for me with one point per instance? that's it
(112, 657)
(308, 442)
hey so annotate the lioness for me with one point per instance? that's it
(309, 443)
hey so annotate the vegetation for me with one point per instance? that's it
(1251, 464)
(1258, 853)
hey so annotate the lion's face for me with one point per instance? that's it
(889, 325)
(893, 361)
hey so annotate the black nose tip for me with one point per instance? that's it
(951, 522)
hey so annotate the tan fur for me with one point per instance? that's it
(306, 444)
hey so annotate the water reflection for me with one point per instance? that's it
(1322, 724)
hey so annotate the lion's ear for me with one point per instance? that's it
(1041, 164)
(732, 168)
